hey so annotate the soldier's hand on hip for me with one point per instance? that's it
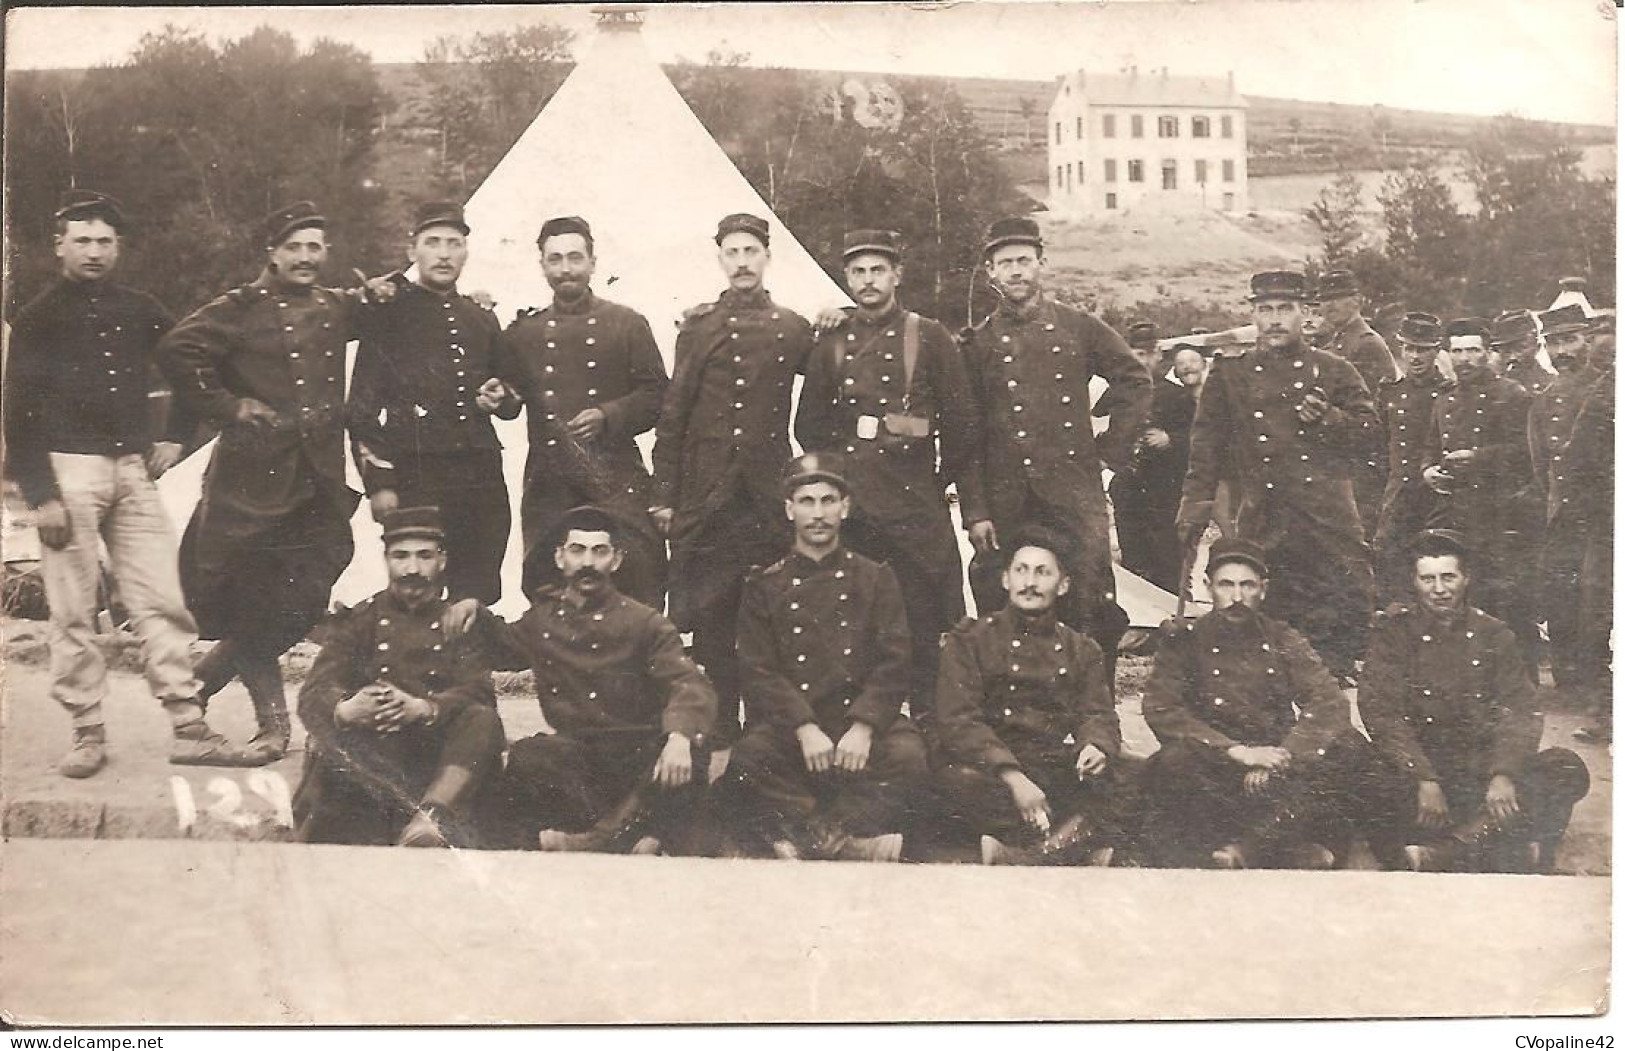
(983, 536)
(1029, 799)
(675, 766)
(852, 754)
(661, 516)
(1432, 810)
(1502, 799)
(1091, 761)
(1256, 780)
(52, 523)
(493, 393)
(1313, 406)
(251, 412)
(161, 457)
(586, 425)
(1437, 479)
(817, 750)
(459, 617)
(1155, 438)
(382, 503)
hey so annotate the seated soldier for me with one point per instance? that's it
(1247, 717)
(1458, 782)
(402, 724)
(1027, 724)
(827, 767)
(630, 710)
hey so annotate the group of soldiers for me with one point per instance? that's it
(834, 702)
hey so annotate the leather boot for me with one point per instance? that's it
(827, 841)
(195, 744)
(1066, 845)
(263, 679)
(88, 754)
(609, 834)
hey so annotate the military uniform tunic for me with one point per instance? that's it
(826, 642)
(722, 440)
(1358, 344)
(1407, 501)
(1218, 683)
(417, 430)
(360, 785)
(564, 359)
(1291, 483)
(900, 516)
(1030, 372)
(272, 529)
(1448, 700)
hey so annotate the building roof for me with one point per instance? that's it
(1156, 88)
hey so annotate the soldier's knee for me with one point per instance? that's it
(905, 754)
(1563, 773)
(532, 755)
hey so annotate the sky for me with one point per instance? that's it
(1546, 59)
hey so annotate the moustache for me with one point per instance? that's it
(589, 575)
(1028, 592)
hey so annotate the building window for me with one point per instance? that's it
(1136, 171)
(1108, 126)
(1201, 173)
(1226, 128)
(1201, 128)
(1111, 200)
(1170, 175)
(1229, 171)
(1167, 127)
(1069, 178)
(1057, 133)
(1111, 169)
(1080, 129)
(1136, 126)
(1059, 178)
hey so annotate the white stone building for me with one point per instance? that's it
(1133, 139)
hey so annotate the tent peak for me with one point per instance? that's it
(619, 17)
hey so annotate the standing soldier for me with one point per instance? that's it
(1027, 723)
(885, 387)
(1345, 333)
(1129, 489)
(403, 721)
(1029, 364)
(1585, 495)
(1452, 718)
(421, 398)
(1287, 426)
(1476, 459)
(1407, 408)
(592, 376)
(265, 364)
(724, 433)
(79, 445)
(828, 767)
(1551, 427)
(1515, 342)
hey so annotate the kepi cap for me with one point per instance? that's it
(1469, 326)
(1338, 284)
(743, 222)
(1421, 329)
(888, 243)
(276, 227)
(1235, 549)
(1445, 540)
(1142, 334)
(816, 467)
(413, 523)
(1511, 326)
(1017, 229)
(439, 213)
(1278, 284)
(1563, 320)
(89, 204)
(564, 224)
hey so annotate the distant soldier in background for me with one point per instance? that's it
(81, 448)
(1029, 363)
(886, 388)
(421, 399)
(1345, 333)
(1559, 530)
(723, 437)
(1130, 488)
(1586, 493)
(1476, 461)
(1286, 426)
(1514, 342)
(592, 377)
(1407, 403)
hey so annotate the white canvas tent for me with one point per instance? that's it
(618, 146)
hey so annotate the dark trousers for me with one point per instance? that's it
(771, 795)
(361, 786)
(473, 499)
(1549, 783)
(570, 782)
(1197, 802)
(1131, 510)
(928, 575)
(1326, 593)
(978, 803)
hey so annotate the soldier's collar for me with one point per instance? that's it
(1032, 624)
(1038, 308)
(887, 318)
(603, 598)
(268, 283)
(389, 598)
(582, 306)
(756, 299)
(839, 554)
